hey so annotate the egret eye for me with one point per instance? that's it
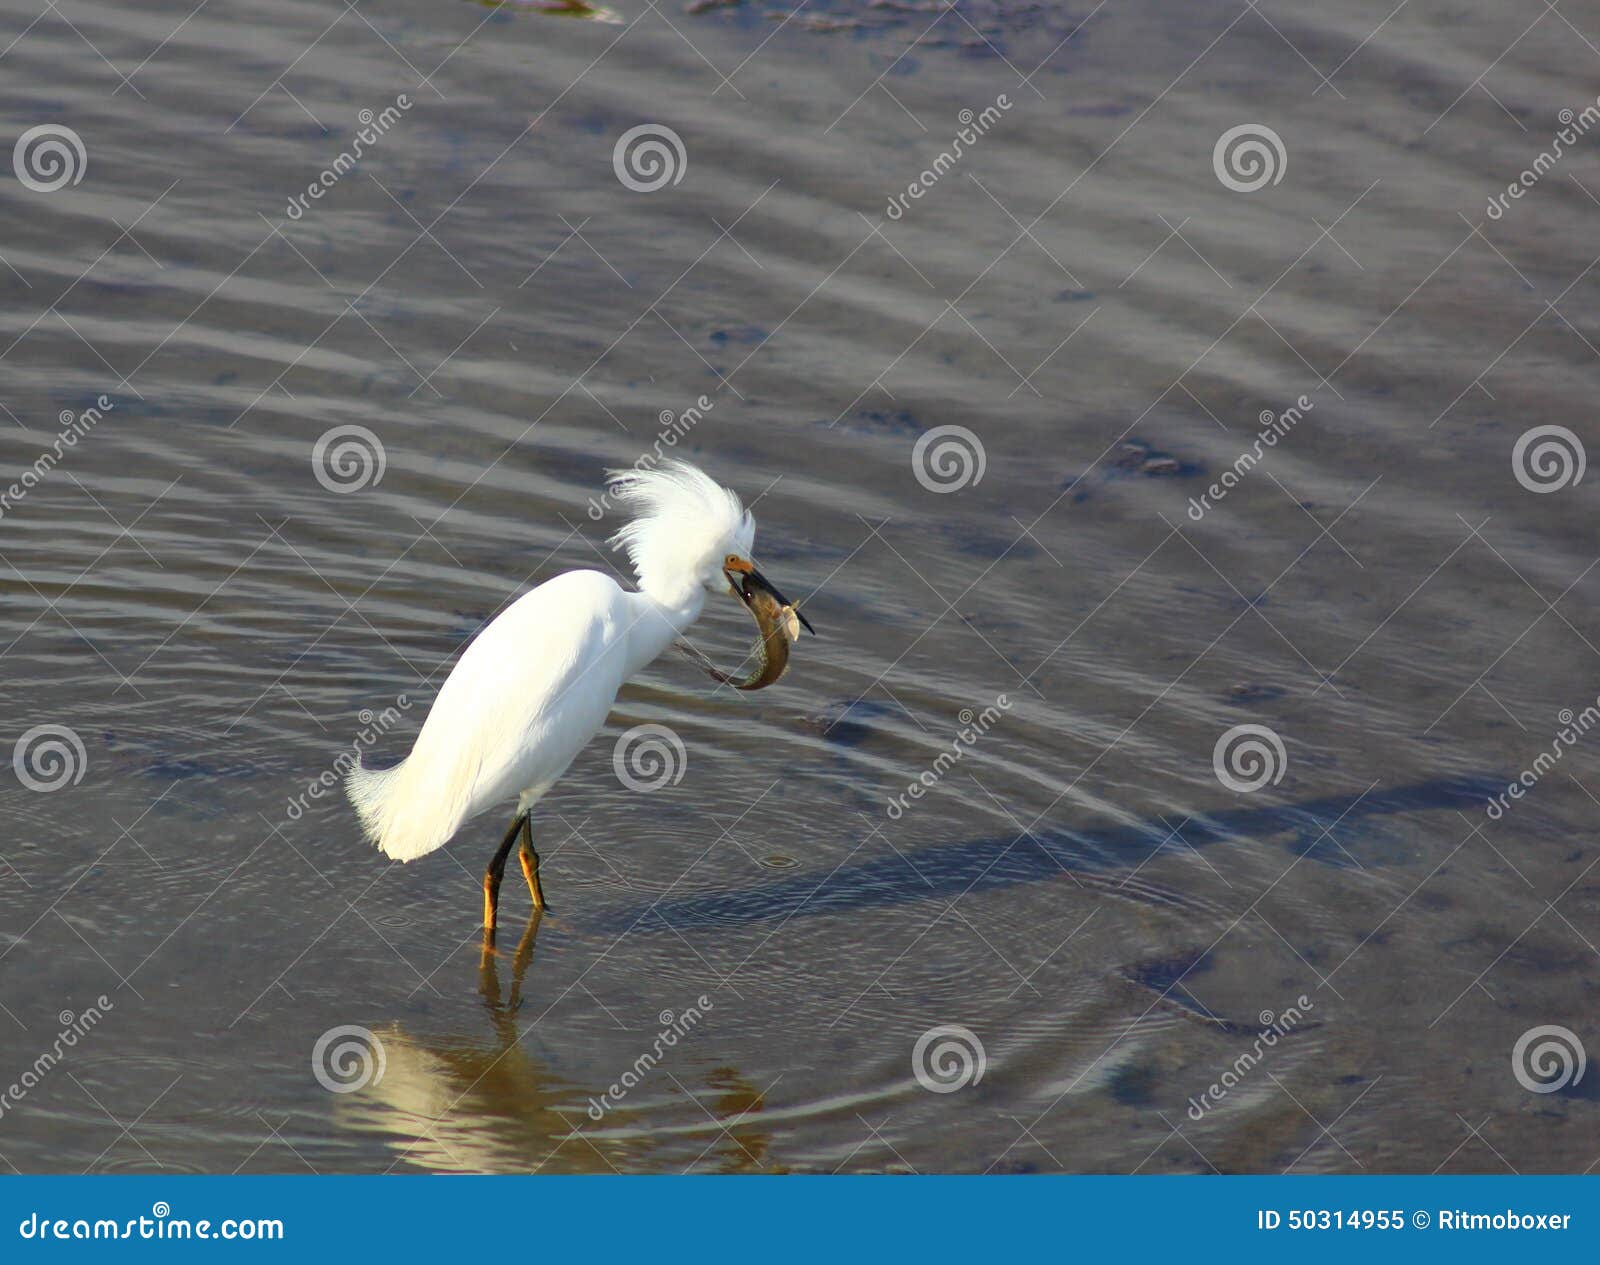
(731, 560)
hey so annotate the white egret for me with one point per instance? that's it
(535, 685)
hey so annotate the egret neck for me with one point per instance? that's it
(657, 620)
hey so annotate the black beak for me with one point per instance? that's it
(754, 580)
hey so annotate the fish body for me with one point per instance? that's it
(779, 625)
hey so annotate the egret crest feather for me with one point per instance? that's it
(683, 522)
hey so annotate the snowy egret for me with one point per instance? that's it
(536, 684)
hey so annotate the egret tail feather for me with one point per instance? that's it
(385, 800)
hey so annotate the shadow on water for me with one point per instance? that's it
(1323, 830)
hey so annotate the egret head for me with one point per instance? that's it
(687, 533)
(682, 525)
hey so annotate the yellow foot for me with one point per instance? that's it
(530, 871)
(491, 904)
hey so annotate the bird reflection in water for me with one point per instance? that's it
(450, 1104)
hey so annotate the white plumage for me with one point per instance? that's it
(535, 685)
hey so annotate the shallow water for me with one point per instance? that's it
(208, 603)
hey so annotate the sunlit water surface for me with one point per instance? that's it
(1080, 891)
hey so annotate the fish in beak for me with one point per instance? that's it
(775, 616)
(747, 584)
